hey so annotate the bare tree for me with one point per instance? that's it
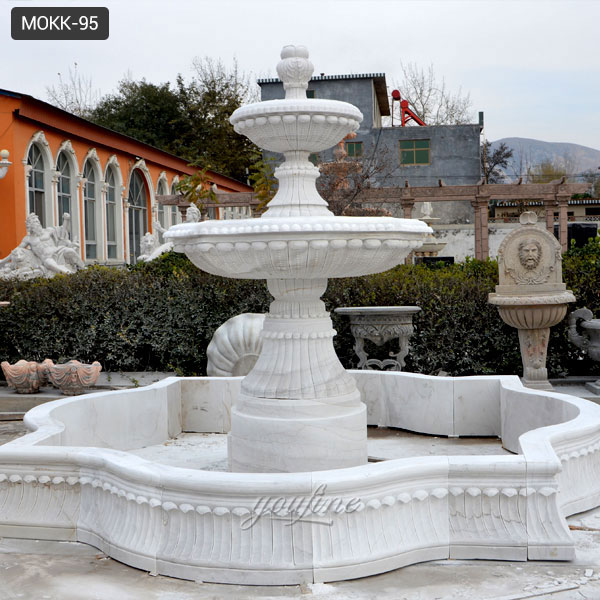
(74, 93)
(592, 177)
(549, 170)
(211, 73)
(343, 179)
(494, 163)
(521, 163)
(430, 99)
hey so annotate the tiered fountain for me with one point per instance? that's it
(299, 410)
(81, 473)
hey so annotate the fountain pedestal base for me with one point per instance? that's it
(298, 409)
(283, 436)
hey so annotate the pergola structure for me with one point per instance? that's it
(224, 200)
(554, 195)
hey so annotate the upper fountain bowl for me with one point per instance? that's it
(308, 125)
(297, 123)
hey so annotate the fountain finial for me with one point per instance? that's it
(295, 71)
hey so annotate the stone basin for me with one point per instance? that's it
(289, 248)
(76, 477)
(312, 125)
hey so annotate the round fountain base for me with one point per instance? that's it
(292, 436)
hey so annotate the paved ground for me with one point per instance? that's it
(38, 570)
(35, 570)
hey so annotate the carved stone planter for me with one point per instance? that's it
(531, 296)
(43, 370)
(589, 341)
(23, 376)
(380, 324)
(73, 377)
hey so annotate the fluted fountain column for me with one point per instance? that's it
(298, 398)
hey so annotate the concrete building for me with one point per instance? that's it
(420, 155)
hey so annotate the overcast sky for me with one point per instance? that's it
(532, 66)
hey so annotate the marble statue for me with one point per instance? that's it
(150, 246)
(427, 210)
(531, 295)
(235, 346)
(42, 252)
(193, 214)
(62, 233)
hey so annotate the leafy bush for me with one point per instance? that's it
(155, 316)
(162, 315)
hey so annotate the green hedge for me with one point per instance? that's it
(161, 315)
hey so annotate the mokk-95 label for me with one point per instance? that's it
(59, 23)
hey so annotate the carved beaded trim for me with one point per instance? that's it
(373, 503)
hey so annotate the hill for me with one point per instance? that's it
(528, 153)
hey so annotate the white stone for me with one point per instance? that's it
(76, 480)
(235, 346)
(298, 409)
(42, 252)
(150, 247)
(531, 295)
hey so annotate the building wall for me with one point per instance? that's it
(460, 239)
(52, 131)
(454, 149)
(359, 92)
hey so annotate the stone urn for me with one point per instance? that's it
(23, 376)
(43, 369)
(73, 377)
(588, 340)
(380, 324)
(531, 295)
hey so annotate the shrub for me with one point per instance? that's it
(162, 315)
(155, 316)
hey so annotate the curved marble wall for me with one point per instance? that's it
(72, 478)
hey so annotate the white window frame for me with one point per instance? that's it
(38, 140)
(91, 159)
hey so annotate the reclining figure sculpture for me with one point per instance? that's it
(42, 252)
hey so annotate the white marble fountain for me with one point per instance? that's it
(300, 502)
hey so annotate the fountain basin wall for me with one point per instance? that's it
(73, 479)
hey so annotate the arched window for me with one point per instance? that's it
(160, 213)
(36, 187)
(138, 220)
(175, 215)
(111, 215)
(89, 211)
(64, 187)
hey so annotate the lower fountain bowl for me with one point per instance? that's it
(298, 248)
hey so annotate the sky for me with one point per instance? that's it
(532, 66)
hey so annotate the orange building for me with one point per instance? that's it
(106, 181)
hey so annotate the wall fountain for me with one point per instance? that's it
(80, 474)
